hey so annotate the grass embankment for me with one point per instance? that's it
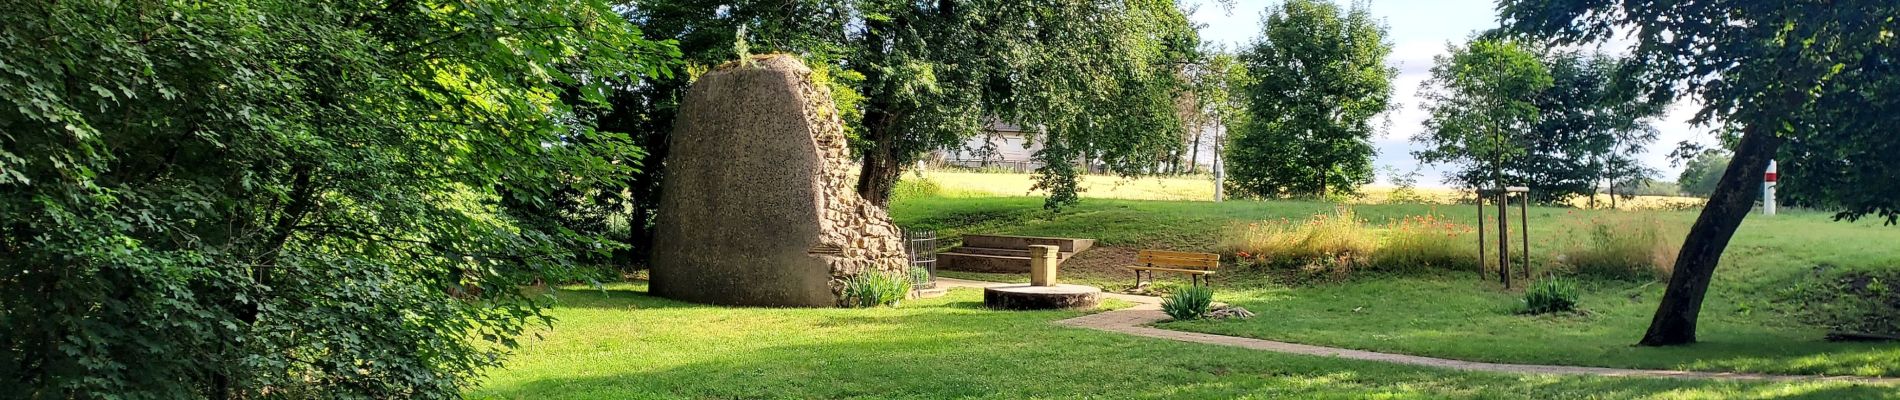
(1752, 320)
(623, 344)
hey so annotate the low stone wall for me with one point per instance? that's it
(758, 207)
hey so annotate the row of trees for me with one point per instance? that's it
(1502, 112)
(1560, 122)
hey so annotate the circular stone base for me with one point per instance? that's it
(1025, 297)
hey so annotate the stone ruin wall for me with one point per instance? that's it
(863, 231)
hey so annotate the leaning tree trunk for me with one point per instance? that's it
(1734, 196)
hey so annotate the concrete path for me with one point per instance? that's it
(1136, 320)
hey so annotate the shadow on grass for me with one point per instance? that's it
(1466, 320)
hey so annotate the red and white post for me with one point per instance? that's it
(1768, 190)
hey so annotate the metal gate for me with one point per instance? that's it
(921, 246)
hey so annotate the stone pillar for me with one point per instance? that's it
(759, 206)
(1042, 265)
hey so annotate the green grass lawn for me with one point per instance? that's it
(1750, 321)
(622, 344)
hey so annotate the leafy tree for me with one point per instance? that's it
(1318, 80)
(1589, 125)
(1215, 85)
(1483, 98)
(1701, 173)
(1811, 81)
(1099, 80)
(263, 198)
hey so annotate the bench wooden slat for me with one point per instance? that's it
(1197, 262)
(1184, 271)
(1179, 254)
(1173, 260)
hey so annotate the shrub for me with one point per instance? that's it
(1426, 241)
(916, 188)
(1624, 246)
(1553, 294)
(872, 289)
(1340, 240)
(1188, 304)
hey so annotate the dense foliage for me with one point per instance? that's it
(1480, 96)
(1809, 82)
(1318, 77)
(1589, 124)
(1098, 79)
(1700, 173)
(1552, 294)
(243, 199)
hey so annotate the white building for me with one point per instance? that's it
(1000, 145)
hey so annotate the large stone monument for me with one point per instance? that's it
(758, 206)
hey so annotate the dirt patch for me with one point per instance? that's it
(1100, 263)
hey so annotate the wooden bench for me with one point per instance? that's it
(1198, 266)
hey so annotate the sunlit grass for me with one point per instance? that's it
(623, 344)
(1750, 320)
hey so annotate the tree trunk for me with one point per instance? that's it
(881, 168)
(1194, 155)
(1675, 320)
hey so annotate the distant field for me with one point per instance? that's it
(1201, 187)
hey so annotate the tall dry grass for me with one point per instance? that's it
(1429, 241)
(1339, 240)
(1622, 246)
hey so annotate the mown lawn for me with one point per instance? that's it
(620, 343)
(1752, 320)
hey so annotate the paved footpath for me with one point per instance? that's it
(1147, 310)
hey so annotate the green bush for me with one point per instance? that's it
(1188, 304)
(1554, 294)
(872, 289)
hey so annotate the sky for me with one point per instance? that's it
(1420, 30)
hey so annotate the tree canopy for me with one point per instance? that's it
(1590, 123)
(265, 198)
(1318, 78)
(1700, 173)
(1810, 82)
(1481, 96)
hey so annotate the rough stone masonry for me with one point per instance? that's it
(758, 206)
